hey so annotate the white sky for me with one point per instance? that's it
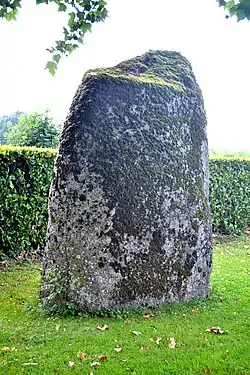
(218, 50)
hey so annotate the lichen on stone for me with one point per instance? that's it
(129, 220)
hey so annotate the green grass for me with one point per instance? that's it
(46, 345)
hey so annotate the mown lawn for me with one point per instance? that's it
(33, 344)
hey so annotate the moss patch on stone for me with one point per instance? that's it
(154, 67)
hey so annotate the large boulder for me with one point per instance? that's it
(129, 220)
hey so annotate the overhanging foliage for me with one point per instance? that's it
(82, 14)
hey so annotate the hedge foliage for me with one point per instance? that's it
(230, 194)
(25, 175)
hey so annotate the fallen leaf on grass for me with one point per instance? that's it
(95, 364)
(117, 349)
(57, 327)
(147, 316)
(82, 355)
(127, 321)
(71, 363)
(14, 349)
(5, 349)
(157, 341)
(206, 371)
(151, 340)
(136, 333)
(195, 311)
(103, 327)
(103, 358)
(11, 338)
(171, 343)
(143, 348)
(217, 330)
(124, 360)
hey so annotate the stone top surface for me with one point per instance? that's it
(165, 68)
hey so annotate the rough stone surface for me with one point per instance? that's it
(129, 221)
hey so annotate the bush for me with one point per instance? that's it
(36, 129)
(25, 175)
(4, 121)
(230, 194)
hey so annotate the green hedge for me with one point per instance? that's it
(230, 194)
(25, 175)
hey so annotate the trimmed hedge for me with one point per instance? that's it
(26, 172)
(25, 175)
(230, 194)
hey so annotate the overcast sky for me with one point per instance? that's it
(218, 49)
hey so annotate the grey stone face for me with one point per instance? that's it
(129, 220)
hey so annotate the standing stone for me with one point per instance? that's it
(129, 220)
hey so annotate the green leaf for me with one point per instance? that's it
(57, 58)
(11, 15)
(88, 7)
(71, 18)
(62, 7)
(233, 11)
(66, 32)
(241, 15)
(70, 48)
(230, 4)
(16, 4)
(52, 67)
(42, 1)
(85, 26)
